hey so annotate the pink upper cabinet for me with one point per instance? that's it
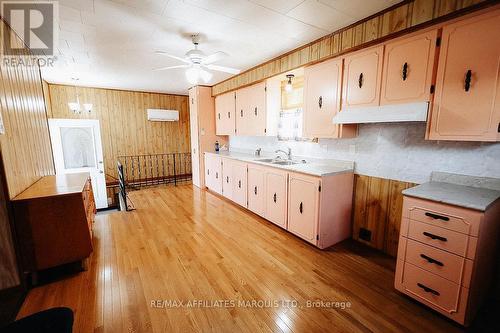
(257, 109)
(362, 78)
(322, 98)
(467, 102)
(408, 68)
(225, 112)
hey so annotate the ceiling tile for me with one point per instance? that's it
(320, 15)
(359, 7)
(282, 6)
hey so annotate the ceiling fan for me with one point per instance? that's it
(196, 63)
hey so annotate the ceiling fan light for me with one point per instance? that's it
(192, 75)
(205, 76)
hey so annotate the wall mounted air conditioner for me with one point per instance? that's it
(162, 115)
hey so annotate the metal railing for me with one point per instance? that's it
(155, 169)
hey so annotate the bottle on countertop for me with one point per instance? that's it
(217, 146)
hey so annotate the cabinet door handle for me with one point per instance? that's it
(428, 290)
(320, 101)
(255, 190)
(405, 71)
(437, 217)
(301, 208)
(468, 79)
(239, 183)
(216, 175)
(360, 80)
(255, 111)
(219, 115)
(431, 260)
(208, 172)
(227, 179)
(274, 197)
(432, 236)
(241, 113)
(229, 115)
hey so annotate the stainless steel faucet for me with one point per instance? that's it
(258, 151)
(288, 154)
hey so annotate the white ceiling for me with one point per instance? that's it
(111, 43)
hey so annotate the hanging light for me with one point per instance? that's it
(76, 107)
(289, 86)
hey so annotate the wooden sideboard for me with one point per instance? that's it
(53, 219)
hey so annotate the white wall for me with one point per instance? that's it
(394, 151)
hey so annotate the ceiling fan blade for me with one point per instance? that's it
(172, 56)
(170, 67)
(214, 57)
(223, 69)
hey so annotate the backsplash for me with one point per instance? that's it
(392, 151)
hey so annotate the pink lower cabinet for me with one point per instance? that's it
(276, 196)
(213, 173)
(227, 178)
(256, 188)
(239, 172)
(446, 256)
(319, 208)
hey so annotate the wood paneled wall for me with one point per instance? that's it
(125, 129)
(398, 19)
(378, 205)
(25, 146)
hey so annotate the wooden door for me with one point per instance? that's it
(408, 69)
(242, 111)
(276, 196)
(195, 149)
(362, 78)
(240, 183)
(227, 178)
(256, 189)
(256, 116)
(225, 111)
(322, 99)
(467, 102)
(303, 206)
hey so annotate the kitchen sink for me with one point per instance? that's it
(279, 161)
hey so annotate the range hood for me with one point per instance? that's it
(383, 114)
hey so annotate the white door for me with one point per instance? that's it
(76, 146)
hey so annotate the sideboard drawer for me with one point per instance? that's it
(439, 292)
(443, 239)
(453, 218)
(442, 263)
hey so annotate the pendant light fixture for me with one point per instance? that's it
(289, 86)
(75, 106)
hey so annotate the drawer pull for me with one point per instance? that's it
(274, 197)
(428, 290)
(437, 217)
(432, 261)
(428, 234)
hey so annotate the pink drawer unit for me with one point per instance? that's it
(447, 255)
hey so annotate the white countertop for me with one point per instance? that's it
(455, 194)
(314, 167)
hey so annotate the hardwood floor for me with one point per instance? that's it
(185, 244)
